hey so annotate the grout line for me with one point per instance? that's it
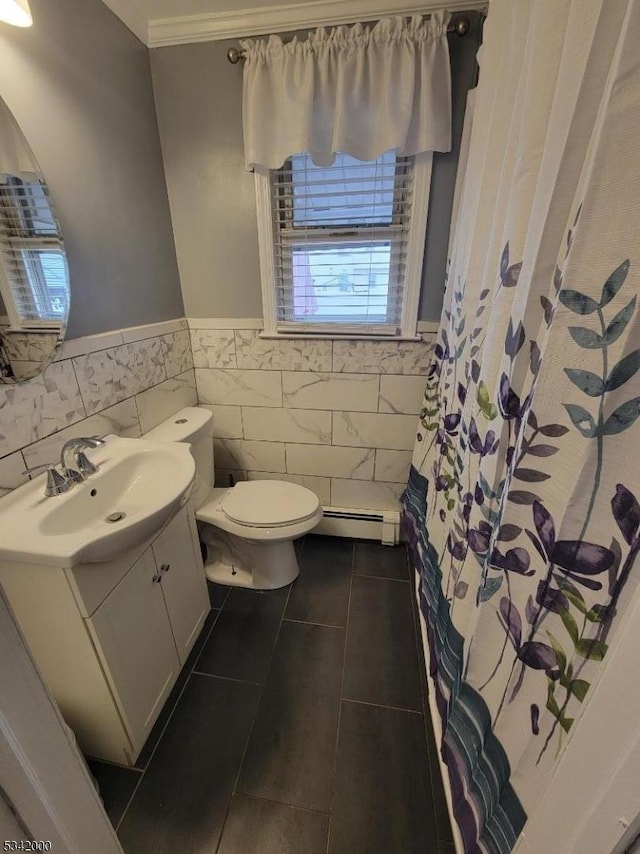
(306, 371)
(344, 667)
(381, 706)
(282, 803)
(362, 448)
(226, 598)
(249, 734)
(164, 358)
(225, 678)
(235, 348)
(135, 406)
(214, 623)
(381, 577)
(300, 408)
(77, 379)
(311, 623)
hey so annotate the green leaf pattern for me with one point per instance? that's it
(570, 581)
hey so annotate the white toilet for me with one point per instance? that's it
(248, 529)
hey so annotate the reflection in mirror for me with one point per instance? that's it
(34, 279)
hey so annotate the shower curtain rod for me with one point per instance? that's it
(459, 27)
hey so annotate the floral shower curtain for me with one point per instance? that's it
(522, 507)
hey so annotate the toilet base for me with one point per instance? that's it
(224, 573)
(241, 563)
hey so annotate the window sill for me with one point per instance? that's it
(38, 330)
(334, 336)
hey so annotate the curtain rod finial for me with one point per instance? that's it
(461, 27)
(234, 55)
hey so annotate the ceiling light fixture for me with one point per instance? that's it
(16, 12)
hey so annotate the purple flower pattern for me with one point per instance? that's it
(464, 422)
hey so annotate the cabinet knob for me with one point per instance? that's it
(165, 567)
(157, 578)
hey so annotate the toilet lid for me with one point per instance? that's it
(269, 503)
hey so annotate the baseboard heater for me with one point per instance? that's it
(383, 525)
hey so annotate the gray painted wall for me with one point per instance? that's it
(79, 84)
(213, 208)
(443, 180)
(199, 105)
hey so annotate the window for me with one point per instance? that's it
(341, 247)
(33, 270)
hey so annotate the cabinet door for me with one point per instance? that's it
(134, 641)
(184, 585)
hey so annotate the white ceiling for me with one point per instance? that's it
(165, 22)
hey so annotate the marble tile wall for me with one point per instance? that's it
(123, 382)
(336, 416)
(339, 417)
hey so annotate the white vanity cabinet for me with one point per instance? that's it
(182, 581)
(110, 638)
(133, 639)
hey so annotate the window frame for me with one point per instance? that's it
(28, 240)
(414, 257)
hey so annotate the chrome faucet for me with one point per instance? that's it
(61, 481)
(56, 483)
(83, 465)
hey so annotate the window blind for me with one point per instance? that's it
(31, 258)
(340, 243)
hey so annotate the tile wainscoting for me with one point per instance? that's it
(123, 382)
(336, 416)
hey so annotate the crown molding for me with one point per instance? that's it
(284, 18)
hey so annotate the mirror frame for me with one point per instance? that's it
(18, 160)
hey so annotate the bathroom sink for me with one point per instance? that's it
(138, 486)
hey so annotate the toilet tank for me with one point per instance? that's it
(194, 425)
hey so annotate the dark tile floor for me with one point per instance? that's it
(297, 725)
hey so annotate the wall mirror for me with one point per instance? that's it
(34, 277)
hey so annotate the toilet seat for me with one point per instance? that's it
(269, 503)
(210, 512)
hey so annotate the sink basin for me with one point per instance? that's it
(138, 486)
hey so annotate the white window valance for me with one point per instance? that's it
(357, 90)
